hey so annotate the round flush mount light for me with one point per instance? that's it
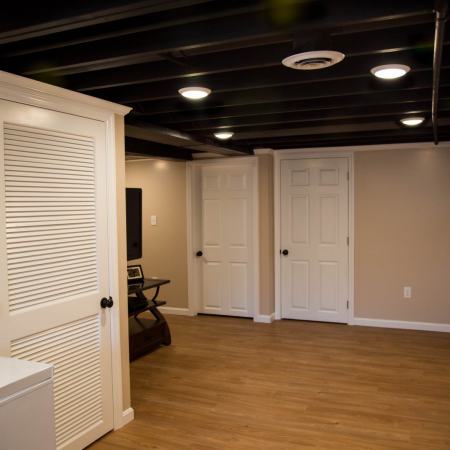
(313, 60)
(390, 71)
(194, 92)
(412, 121)
(223, 135)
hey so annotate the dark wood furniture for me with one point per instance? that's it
(146, 334)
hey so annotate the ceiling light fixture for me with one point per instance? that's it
(390, 71)
(194, 92)
(412, 121)
(223, 135)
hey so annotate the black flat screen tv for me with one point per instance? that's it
(134, 223)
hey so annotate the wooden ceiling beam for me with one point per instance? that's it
(338, 17)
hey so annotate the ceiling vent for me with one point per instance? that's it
(313, 60)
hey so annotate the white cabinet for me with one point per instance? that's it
(26, 405)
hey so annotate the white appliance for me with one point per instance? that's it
(26, 405)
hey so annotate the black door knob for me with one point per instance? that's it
(106, 302)
(285, 252)
(199, 253)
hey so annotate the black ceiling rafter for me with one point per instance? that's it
(273, 91)
(289, 106)
(146, 148)
(207, 34)
(290, 119)
(189, 66)
(336, 139)
(90, 16)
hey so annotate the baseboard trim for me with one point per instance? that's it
(127, 417)
(176, 311)
(401, 324)
(263, 318)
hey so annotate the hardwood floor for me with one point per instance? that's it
(230, 383)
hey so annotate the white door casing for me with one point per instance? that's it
(224, 223)
(314, 229)
(55, 235)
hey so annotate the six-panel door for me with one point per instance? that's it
(314, 238)
(227, 223)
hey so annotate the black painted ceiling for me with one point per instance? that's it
(141, 53)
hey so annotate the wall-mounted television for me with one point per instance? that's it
(134, 223)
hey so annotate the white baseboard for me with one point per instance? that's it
(176, 311)
(401, 324)
(127, 417)
(262, 318)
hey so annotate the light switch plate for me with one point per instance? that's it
(153, 220)
(407, 292)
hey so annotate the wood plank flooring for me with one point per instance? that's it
(229, 383)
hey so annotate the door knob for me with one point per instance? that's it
(199, 253)
(106, 302)
(285, 252)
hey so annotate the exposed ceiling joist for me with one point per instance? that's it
(175, 138)
(146, 148)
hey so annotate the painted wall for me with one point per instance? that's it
(402, 221)
(266, 236)
(164, 245)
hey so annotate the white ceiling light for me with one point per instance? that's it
(390, 71)
(224, 135)
(313, 60)
(412, 121)
(195, 92)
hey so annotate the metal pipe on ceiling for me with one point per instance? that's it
(441, 11)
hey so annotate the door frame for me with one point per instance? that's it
(320, 153)
(19, 89)
(193, 211)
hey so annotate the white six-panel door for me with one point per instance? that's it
(54, 261)
(227, 268)
(314, 239)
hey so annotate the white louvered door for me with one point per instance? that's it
(54, 261)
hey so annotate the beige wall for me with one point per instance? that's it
(402, 221)
(164, 246)
(266, 236)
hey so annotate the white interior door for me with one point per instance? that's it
(314, 239)
(54, 261)
(227, 266)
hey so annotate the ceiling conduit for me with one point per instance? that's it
(441, 11)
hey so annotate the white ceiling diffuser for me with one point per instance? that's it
(313, 60)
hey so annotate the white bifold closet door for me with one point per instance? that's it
(314, 239)
(227, 223)
(54, 261)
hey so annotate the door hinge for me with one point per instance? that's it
(348, 241)
(348, 304)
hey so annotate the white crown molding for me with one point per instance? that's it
(401, 324)
(36, 93)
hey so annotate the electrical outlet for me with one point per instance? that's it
(407, 292)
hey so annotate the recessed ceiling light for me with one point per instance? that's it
(412, 121)
(195, 92)
(223, 135)
(390, 71)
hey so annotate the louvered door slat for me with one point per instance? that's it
(74, 402)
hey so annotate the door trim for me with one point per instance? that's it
(193, 218)
(281, 155)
